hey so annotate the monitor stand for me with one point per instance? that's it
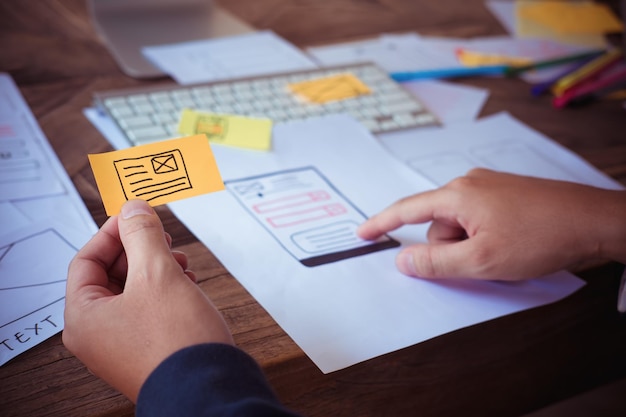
(128, 25)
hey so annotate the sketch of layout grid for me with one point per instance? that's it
(4, 253)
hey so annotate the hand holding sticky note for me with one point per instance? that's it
(239, 131)
(158, 173)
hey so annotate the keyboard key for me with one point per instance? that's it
(145, 134)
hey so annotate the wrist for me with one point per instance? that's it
(609, 242)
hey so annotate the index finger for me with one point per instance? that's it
(90, 265)
(418, 208)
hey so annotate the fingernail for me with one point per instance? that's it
(405, 264)
(134, 208)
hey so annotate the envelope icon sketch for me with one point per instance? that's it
(158, 173)
(164, 163)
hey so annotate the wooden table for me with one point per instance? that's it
(505, 367)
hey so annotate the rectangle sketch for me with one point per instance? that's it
(306, 214)
(153, 176)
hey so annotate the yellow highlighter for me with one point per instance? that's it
(587, 71)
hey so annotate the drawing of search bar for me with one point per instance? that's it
(304, 216)
(291, 201)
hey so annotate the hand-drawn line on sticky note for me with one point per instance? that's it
(153, 176)
(158, 173)
(333, 88)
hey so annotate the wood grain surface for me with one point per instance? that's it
(504, 367)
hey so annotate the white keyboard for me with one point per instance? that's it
(150, 114)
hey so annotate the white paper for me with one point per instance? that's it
(532, 49)
(107, 128)
(410, 52)
(12, 218)
(33, 272)
(61, 203)
(25, 172)
(248, 55)
(393, 53)
(451, 102)
(348, 311)
(39, 236)
(498, 142)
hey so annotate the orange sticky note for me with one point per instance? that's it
(158, 173)
(580, 17)
(332, 88)
(478, 59)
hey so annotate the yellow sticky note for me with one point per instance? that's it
(580, 17)
(478, 59)
(240, 131)
(158, 173)
(336, 87)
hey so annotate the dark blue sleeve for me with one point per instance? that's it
(208, 380)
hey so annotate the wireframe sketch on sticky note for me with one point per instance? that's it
(153, 176)
(213, 126)
(306, 214)
(227, 129)
(159, 172)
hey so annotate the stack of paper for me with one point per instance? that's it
(44, 223)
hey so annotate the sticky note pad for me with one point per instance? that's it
(581, 17)
(158, 173)
(477, 59)
(335, 87)
(240, 131)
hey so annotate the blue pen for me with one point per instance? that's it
(449, 73)
(540, 88)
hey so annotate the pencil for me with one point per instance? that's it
(515, 70)
(591, 89)
(448, 73)
(540, 88)
(593, 68)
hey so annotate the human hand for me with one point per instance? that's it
(491, 225)
(131, 303)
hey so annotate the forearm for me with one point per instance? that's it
(610, 226)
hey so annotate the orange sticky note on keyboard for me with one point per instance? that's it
(158, 173)
(333, 88)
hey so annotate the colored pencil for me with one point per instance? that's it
(538, 89)
(591, 89)
(448, 73)
(516, 70)
(588, 71)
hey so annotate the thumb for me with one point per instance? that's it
(142, 236)
(449, 260)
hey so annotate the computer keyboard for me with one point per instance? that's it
(150, 114)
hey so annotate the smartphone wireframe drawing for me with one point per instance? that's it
(308, 216)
